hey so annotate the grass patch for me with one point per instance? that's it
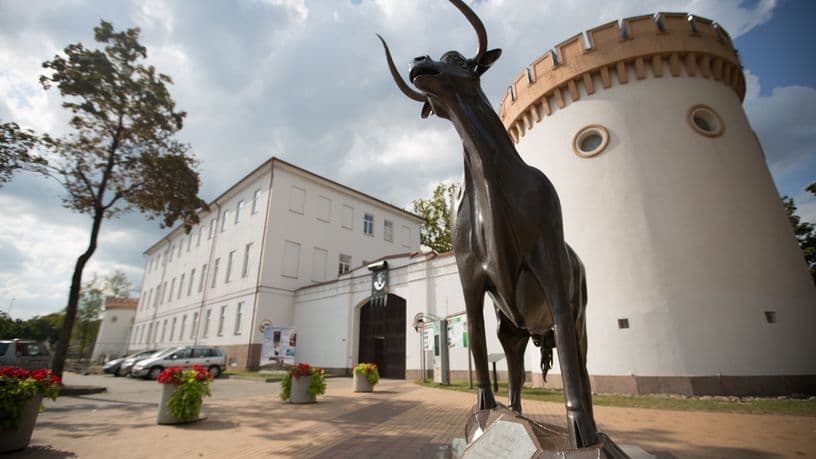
(660, 402)
(268, 377)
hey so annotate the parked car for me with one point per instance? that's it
(211, 358)
(26, 354)
(123, 365)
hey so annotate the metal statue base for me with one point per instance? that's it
(502, 433)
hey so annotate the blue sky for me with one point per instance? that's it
(306, 81)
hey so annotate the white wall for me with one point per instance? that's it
(114, 332)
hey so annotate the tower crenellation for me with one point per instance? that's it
(659, 45)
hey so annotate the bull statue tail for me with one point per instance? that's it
(546, 342)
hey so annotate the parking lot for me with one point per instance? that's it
(400, 419)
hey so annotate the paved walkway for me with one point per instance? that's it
(399, 420)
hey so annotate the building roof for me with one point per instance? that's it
(121, 303)
(271, 162)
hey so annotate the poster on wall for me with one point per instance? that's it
(278, 346)
(457, 332)
(427, 337)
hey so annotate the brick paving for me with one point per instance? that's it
(399, 420)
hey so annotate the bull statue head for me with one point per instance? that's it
(439, 81)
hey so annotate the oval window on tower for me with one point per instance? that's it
(705, 121)
(590, 141)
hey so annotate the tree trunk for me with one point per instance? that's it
(61, 351)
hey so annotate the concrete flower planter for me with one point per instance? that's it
(299, 392)
(164, 416)
(16, 439)
(361, 383)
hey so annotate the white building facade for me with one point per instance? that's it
(278, 229)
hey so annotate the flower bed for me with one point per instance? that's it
(302, 384)
(183, 395)
(21, 392)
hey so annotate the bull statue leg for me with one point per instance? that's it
(474, 307)
(514, 341)
(552, 268)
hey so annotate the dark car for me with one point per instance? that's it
(123, 365)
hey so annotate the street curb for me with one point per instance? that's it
(73, 391)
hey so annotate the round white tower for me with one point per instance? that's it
(696, 284)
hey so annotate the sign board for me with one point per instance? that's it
(427, 338)
(457, 332)
(278, 346)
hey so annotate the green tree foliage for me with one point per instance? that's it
(805, 232)
(121, 154)
(40, 328)
(15, 147)
(435, 231)
(117, 285)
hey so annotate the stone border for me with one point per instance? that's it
(645, 46)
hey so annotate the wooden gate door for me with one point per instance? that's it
(382, 337)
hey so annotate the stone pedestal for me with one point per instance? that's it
(15, 439)
(501, 433)
(361, 383)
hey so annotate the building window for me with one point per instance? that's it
(203, 276)
(623, 323)
(368, 224)
(770, 317)
(239, 311)
(200, 232)
(189, 241)
(221, 320)
(172, 288)
(323, 209)
(142, 334)
(344, 265)
(156, 300)
(297, 200)
(181, 243)
(164, 330)
(172, 330)
(190, 285)
(347, 217)
(224, 220)
(406, 237)
(590, 141)
(172, 249)
(149, 332)
(206, 323)
(705, 121)
(193, 325)
(164, 291)
(238, 211)
(319, 258)
(388, 230)
(181, 287)
(215, 272)
(256, 201)
(291, 259)
(183, 326)
(149, 297)
(229, 266)
(245, 264)
(211, 231)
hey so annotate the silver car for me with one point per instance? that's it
(123, 366)
(211, 358)
(26, 354)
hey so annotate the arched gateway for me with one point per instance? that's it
(382, 336)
